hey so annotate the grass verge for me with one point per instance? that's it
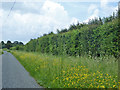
(1, 52)
(70, 72)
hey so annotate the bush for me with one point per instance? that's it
(92, 40)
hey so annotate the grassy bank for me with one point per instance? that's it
(70, 72)
(1, 52)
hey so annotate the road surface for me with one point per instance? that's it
(0, 72)
(14, 75)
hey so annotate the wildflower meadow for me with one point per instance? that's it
(70, 72)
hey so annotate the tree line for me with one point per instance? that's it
(10, 45)
(99, 37)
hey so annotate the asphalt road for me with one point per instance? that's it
(14, 75)
(0, 72)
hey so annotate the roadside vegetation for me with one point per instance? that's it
(82, 56)
(1, 52)
(5, 49)
(99, 37)
(93, 40)
(70, 72)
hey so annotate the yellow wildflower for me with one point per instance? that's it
(102, 86)
(67, 78)
(114, 85)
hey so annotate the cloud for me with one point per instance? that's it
(104, 3)
(93, 12)
(74, 20)
(31, 20)
(104, 10)
(107, 9)
(24, 26)
(91, 8)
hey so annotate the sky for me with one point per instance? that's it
(29, 20)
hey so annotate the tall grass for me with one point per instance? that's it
(70, 72)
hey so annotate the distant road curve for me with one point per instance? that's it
(14, 75)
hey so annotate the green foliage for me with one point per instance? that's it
(9, 44)
(94, 40)
(17, 47)
(1, 51)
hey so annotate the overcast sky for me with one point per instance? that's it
(32, 19)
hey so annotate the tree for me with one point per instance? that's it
(50, 33)
(72, 27)
(8, 45)
(44, 34)
(58, 31)
(2, 44)
(15, 42)
(113, 15)
(100, 21)
(63, 31)
(20, 43)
